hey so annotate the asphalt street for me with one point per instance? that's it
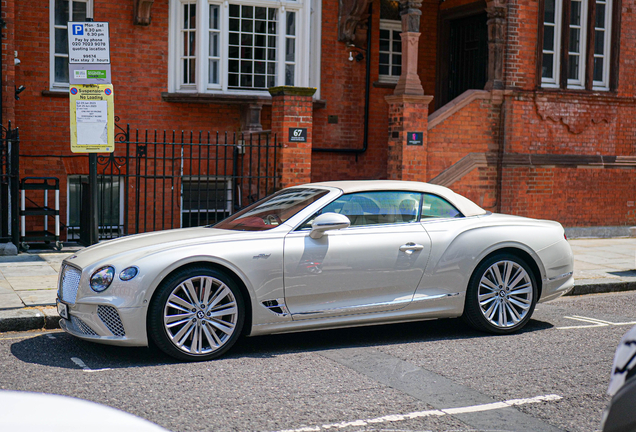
(426, 376)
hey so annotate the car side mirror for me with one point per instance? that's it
(327, 222)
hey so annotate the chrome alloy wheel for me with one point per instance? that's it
(505, 294)
(200, 315)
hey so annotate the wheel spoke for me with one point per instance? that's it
(207, 288)
(175, 320)
(497, 274)
(508, 267)
(523, 289)
(219, 295)
(513, 314)
(522, 303)
(229, 309)
(195, 347)
(224, 326)
(191, 291)
(177, 302)
(503, 319)
(487, 283)
(180, 337)
(212, 339)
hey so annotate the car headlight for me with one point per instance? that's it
(128, 273)
(101, 279)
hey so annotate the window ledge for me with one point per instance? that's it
(55, 93)
(210, 98)
(385, 84)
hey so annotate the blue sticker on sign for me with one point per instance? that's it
(73, 91)
(78, 29)
(108, 91)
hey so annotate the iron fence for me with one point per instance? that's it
(161, 180)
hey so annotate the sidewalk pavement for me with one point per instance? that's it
(28, 282)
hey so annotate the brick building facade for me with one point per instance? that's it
(527, 106)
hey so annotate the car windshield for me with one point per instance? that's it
(272, 211)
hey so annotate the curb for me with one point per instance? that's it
(46, 318)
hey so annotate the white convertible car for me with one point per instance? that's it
(317, 256)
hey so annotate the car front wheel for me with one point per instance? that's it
(501, 295)
(196, 314)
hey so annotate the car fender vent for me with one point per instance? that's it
(276, 307)
(110, 317)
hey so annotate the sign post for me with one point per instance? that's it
(91, 102)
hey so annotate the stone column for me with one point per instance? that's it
(408, 154)
(409, 82)
(292, 109)
(496, 11)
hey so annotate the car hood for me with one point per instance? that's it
(139, 245)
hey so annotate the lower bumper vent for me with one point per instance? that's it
(82, 327)
(110, 317)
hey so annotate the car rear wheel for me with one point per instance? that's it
(501, 295)
(196, 314)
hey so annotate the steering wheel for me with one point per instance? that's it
(272, 219)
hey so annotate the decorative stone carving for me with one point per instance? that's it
(141, 12)
(577, 115)
(496, 11)
(352, 16)
(410, 13)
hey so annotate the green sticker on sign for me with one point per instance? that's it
(100, 74)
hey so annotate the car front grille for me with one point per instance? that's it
(69, 283)
(110, 317)
(82, 327)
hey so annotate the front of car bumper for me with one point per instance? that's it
(99, 318)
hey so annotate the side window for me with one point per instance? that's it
(436, 207)
(374, 208)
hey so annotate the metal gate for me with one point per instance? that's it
(468, 55)
(160, 180)
(9, 183)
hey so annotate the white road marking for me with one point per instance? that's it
(593, 322)
(437, 413)
(85, 368)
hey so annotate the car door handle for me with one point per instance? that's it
(409, 248)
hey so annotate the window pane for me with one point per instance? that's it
(259, 67)
(575, 40)
(573, 67)
(548, 66)
(235, 10)
(232, 80)
(233, 65)
(214, 44)
(549, 15)
(246, 80)
(61, 41)
(260, 27)
(600, 15)
(214, 17)
(598, 69)
(271, 81)
(290, 50)
(396, 70)
(384, 70)
(235, 24)
(384, 58)
(79, 11)
(234, 38)
(213, 72)
(61, 12)
(259, 81)
(247, 12)
(289, 74)
(436, 207)
(575, 13)
(385, 45)
(548, 38)
(599, 42)
(247, 25)
(61, 69)
(259, 54)
(261, 13)
(291, 23)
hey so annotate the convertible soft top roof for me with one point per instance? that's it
(464, 205)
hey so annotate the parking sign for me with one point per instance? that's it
(88, 43)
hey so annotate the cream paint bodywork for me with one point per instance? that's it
(438, 275)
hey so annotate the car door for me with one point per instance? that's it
(374, 265)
